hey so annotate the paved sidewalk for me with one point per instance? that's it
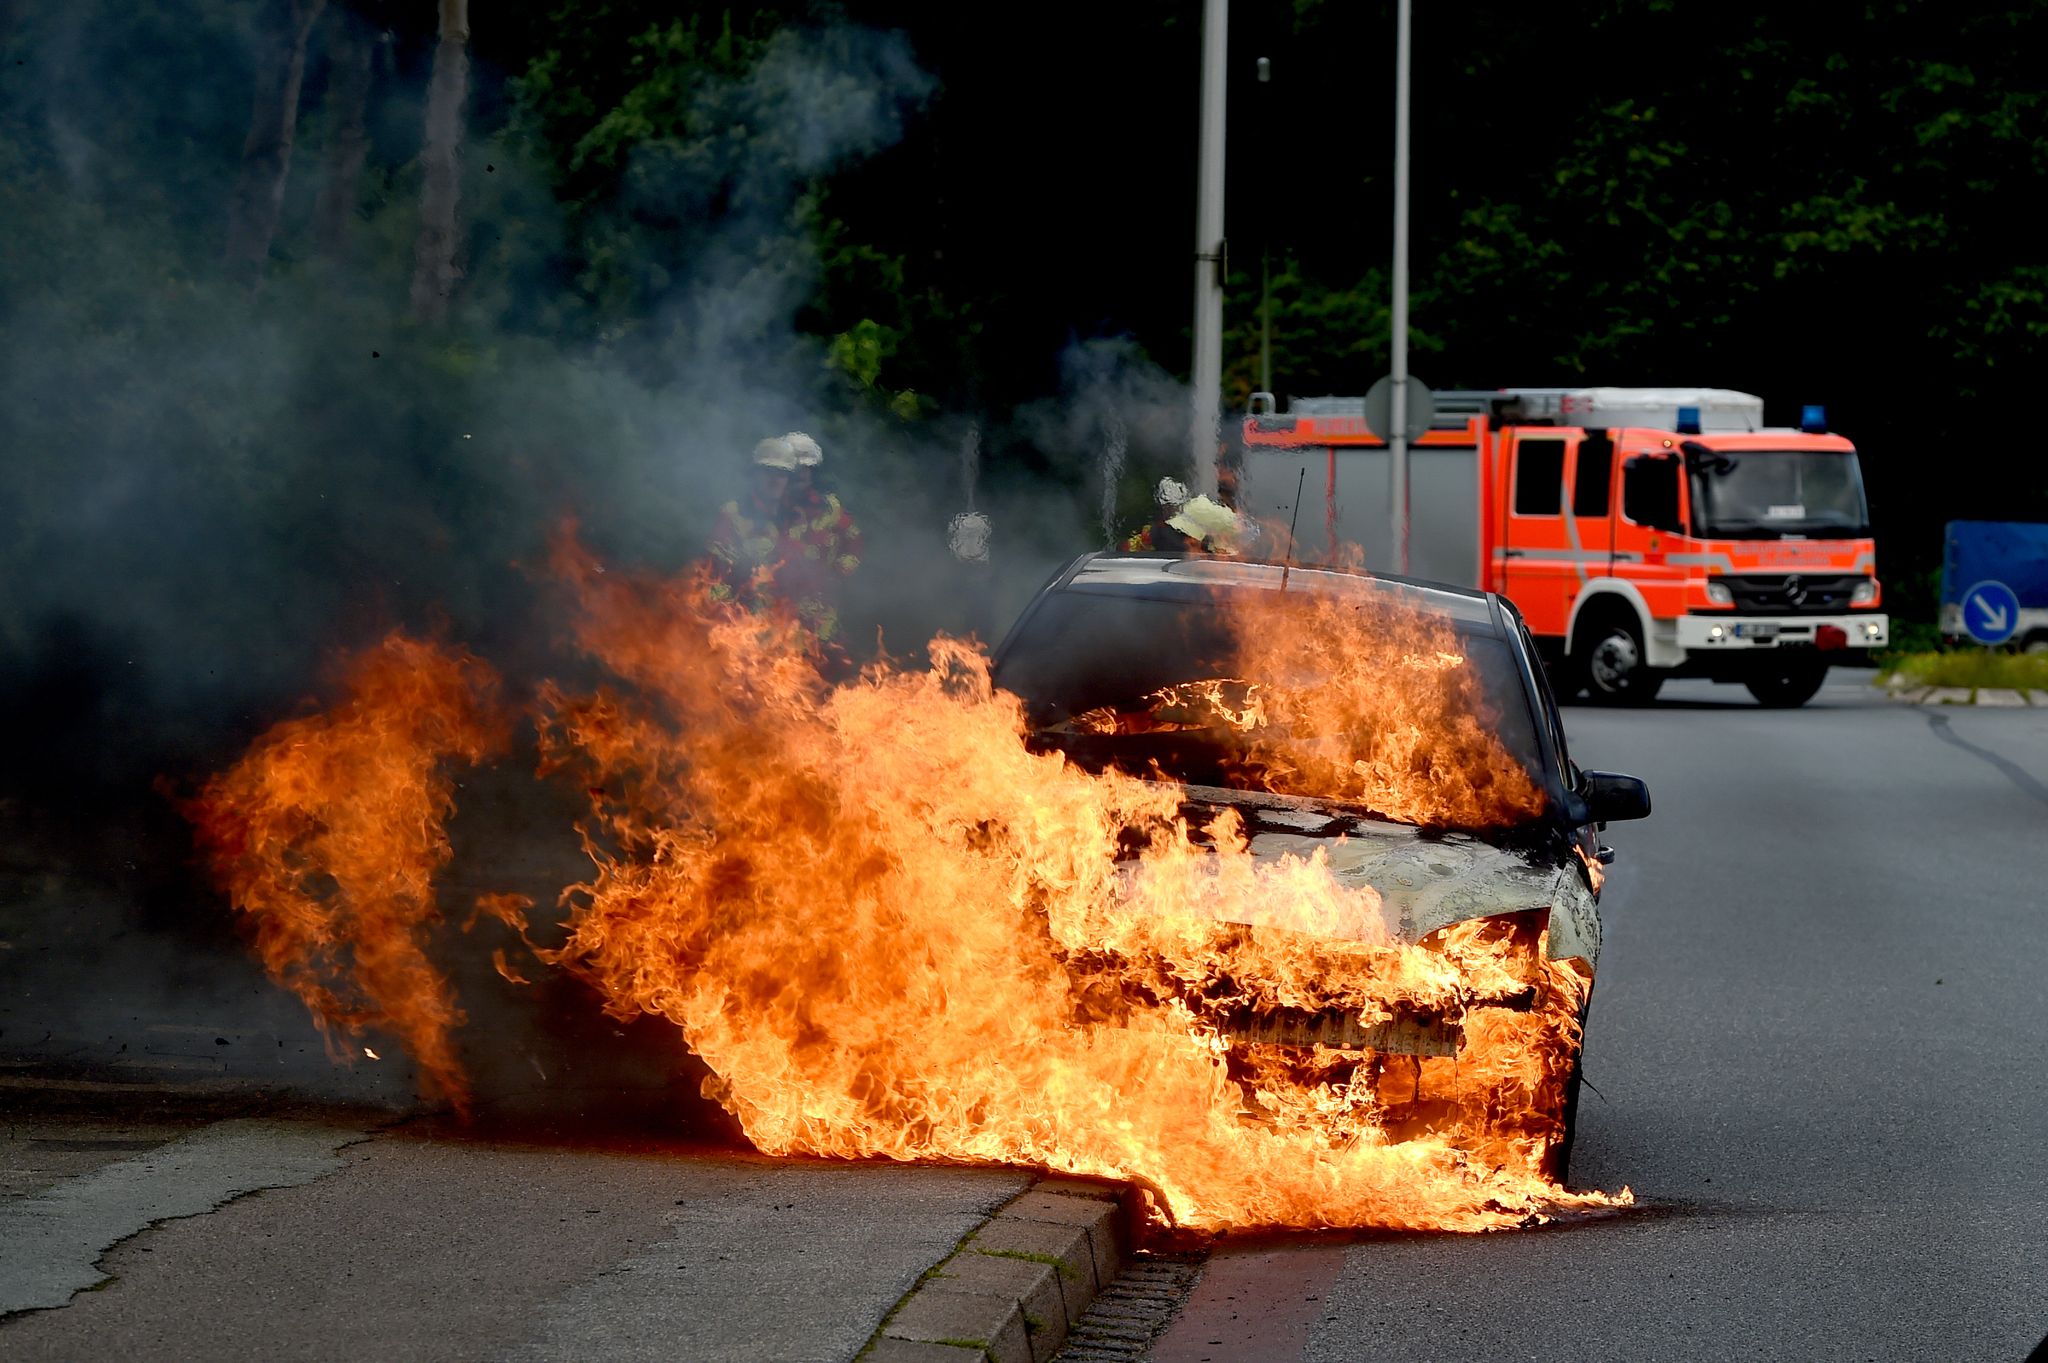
(410, 1245)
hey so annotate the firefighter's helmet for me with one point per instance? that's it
(789, 452)
(968, 535)
(808, 455)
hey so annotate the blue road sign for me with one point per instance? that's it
(1991, 612)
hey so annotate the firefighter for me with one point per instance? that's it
(1207, 527)
(790, 542)
(1171, 495)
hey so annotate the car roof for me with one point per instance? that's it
(1171, 577)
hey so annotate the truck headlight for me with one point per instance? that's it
(1718, 594)
(1865, 593)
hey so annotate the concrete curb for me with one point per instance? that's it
(1967, 695)
(1014, 1287)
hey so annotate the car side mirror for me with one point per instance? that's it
(1611, 797)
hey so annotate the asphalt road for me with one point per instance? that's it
(1816, 1044)
(1818, 1040)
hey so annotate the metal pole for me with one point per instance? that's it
(1205, 374)
(1265, 323)
(1397, 438)
(1265, 242)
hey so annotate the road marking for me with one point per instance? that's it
(50, 1244)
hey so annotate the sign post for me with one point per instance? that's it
(1205, 372)
(1417, 406)
(1398, 421)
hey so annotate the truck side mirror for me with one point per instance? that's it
(1699, 456)
(1611, 797)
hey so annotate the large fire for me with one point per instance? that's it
(1398, 718)
(327, 835)
(891, 928)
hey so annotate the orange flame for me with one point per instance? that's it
(891, 928)
(328, 833)
(1382, 710)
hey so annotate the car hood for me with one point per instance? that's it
(1426, 879)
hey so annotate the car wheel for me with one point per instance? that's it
(1557, 1160)
(2037, 642)
(1789, 689)
(1612, 664)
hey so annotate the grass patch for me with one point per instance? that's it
(1970, 667)
(932, 1274)
(1914, 636)
(1032, 1256)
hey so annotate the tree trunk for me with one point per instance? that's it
(273, 120)
(434, 270)
(348, 143)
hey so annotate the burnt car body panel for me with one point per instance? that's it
(1426, 878)
(1430, 881)
(1535, 881)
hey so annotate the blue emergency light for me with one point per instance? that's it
(1688, 421)
(1813, 419)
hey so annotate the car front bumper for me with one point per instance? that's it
(1736, 633)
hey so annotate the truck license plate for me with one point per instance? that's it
(1756, 630)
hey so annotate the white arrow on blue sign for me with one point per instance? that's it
(1991, 612)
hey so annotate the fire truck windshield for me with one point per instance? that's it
(1773, 494)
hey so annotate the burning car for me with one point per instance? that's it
(1401, 734)
(1267, 890)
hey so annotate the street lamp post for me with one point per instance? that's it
(1265, 240)
(1397, 436)
(1205, 376)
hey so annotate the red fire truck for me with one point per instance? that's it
(1643, 532)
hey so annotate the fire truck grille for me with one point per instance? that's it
(1792, 593)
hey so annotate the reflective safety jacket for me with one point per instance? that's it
(1158, 535)
(796, 554)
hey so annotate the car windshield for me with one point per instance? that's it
(1772, 494)
(1152, 687)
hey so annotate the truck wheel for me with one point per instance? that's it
(1612, 665)
(2037, 642)
(1790, 689)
